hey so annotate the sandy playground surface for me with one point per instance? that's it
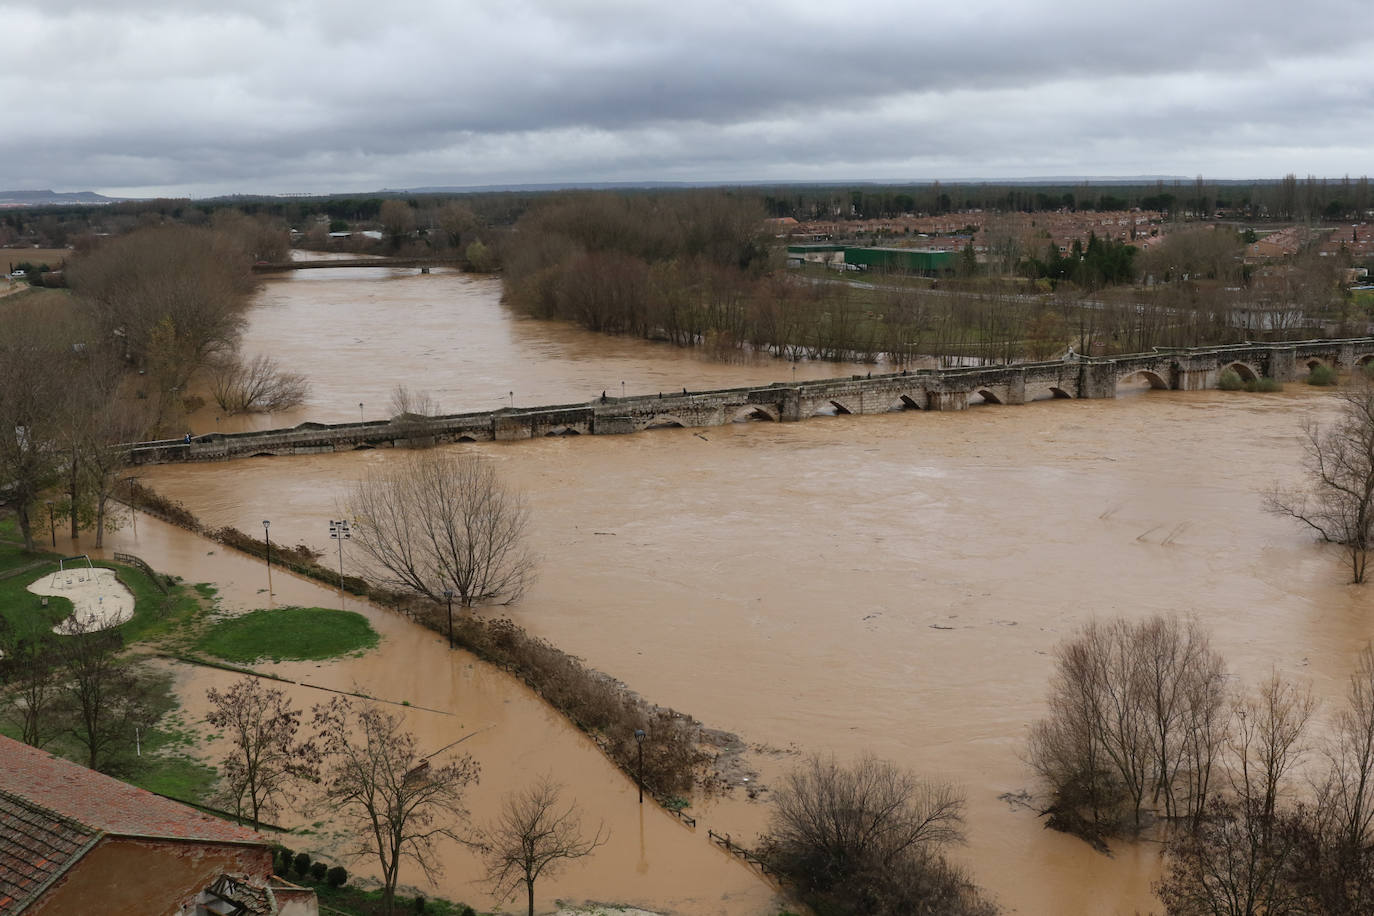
(95, 594)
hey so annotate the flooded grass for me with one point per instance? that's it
(160, 761)
(291, 633)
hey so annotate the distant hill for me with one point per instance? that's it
(49, 198)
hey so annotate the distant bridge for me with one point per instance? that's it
(277, 266)
(1185, 369)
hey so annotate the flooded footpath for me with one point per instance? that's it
(889, 584)
(651, 859)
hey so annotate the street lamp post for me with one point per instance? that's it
(339, 532)
(268, 538)
(360, 412)
(639, 739)
(448, 596)
(622, 390)
(52, 524)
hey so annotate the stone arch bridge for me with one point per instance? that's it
(1186, 369)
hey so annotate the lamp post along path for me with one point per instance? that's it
(448, 596)
(339, 531)
(639, 739)
(266, 536)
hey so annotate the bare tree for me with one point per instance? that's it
(256, 386)
(862, 839)
(443, 521)
(398, 221)
(534, 837)
(1266, 742)
(407, 403)
(265, 756)
(1338, 501)
(456, 221)
(1348, 791)
(108, 696)
(396, 802)
(1136, 712)
(32, 359)
(102, 438)
(30, 679)
(172, 296)
(1233, 863)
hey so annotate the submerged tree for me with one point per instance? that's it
(1338, 500)
(443, 522)
(396, 802)
(1136, 723)
(532, 838)
(869, 839)
(106, 694)
(265, 755)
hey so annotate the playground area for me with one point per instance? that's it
(99, 600)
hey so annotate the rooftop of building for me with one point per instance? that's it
(104, 804)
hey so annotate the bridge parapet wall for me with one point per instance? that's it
(934, 389)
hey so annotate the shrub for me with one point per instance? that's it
(1322, 375)
(1230, 381)
(337, 876)
(1264, 385)
(318, 870)
(281, 861)
(302, 862)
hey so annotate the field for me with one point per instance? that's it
(50, 256)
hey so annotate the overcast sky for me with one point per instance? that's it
(203, 97)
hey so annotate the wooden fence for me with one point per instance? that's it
(130, 560)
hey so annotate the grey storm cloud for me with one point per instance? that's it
(195, 97)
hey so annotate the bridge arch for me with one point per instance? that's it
(832, 407)
(1048, 392)
(751, 412)
(1312, 362)
(988, 396)
(1246, 372)
(906, 402)
(364, 447)
(562, 431)
(664, 421)
(466, 439)
(1364, 360)
(1156, 380)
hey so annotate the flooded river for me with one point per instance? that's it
(891, 584)
(358, 333)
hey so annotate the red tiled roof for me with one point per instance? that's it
(36, 846)
(105, 804)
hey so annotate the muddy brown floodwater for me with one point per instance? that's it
(893, 584)
(356, 333)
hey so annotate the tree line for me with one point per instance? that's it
(151, 313)
(1286, 198)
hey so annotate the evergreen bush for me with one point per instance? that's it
(1322, 375)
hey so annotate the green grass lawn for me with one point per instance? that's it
(289, 633)
(164, 764)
